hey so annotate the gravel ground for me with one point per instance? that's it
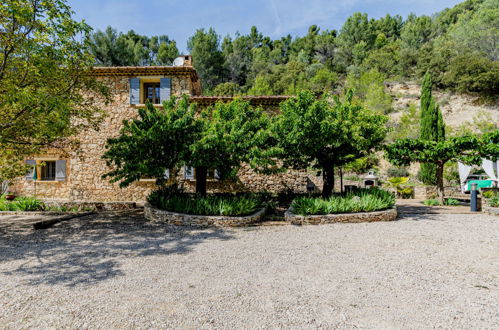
(117, 271)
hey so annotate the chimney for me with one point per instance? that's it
(187, 60)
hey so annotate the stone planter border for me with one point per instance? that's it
(491, 210)
(384, 215)
(192, 220)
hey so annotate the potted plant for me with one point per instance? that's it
(9, 196)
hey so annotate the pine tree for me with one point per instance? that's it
(432, 127)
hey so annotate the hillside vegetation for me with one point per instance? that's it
(458, 46)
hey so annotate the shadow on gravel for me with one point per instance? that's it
(85, 250)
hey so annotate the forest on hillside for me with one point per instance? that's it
(458, 46)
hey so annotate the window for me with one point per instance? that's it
(47, 171)
(152, 93)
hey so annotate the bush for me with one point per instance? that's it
(494, 201)
(431, 202)
(21, 204)
(227, 205)
(452, 202)
(363, 200)
(490, 194)
(397, 172)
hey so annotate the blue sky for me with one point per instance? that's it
(275, 18)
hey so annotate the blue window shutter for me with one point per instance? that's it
(134, 90)
(60, 170)
(188, 172)
(31, 171)
(165, 87)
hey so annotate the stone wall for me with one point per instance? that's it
(179, 219)
(385, 215)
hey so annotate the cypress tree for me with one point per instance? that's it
(432, 127)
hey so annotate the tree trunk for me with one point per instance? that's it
(328, 181)
(440, 183)
(341, 180)
(201, 173)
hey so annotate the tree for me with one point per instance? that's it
(113, 48)
(431, 127)
(207, 57)
(313, 132)
(233, 133)
(469, 149)
(44, 79)
(158, 140)
(221, 137)
(415, 33)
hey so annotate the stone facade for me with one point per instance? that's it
(179, 219)
(385, 215)
(85, 167)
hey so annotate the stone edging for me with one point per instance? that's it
(47, 213)
(491, 210)
(181, 219)
(385, 215)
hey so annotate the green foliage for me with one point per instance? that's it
(431, 127)
(407, 126)
(458, 46)
(113, 48)
(314, 132)
(209, 205)
(398, 184)
(362, 165)
(490, 194)
(227, 89)
(365, 200)
(494, 201)
(43, 80)
(232, 133)
(468, 149)
(221, 137)
(472, 72)
(369, 90)
(452, 202)
(207, 56)
(157, 140)
(397, 172)
(21, 204)
(431, 202)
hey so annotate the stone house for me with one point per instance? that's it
(74, 173)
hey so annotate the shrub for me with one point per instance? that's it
(490, 194)
(397, 172)
(494, 201)
(229, 205)
(431, 202)
(452, 202)
(364, 200)
(21, 204)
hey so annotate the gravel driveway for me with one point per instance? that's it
(111, 271)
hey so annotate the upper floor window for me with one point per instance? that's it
(152, 93)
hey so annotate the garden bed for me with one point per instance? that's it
(181, 219)
(384, 215)
(365, 205)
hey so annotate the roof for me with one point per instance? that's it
(145, 71)
(254, 100)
